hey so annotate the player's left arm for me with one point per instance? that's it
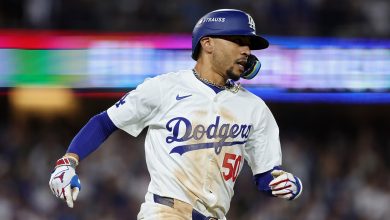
(279, 183)
(264, 156)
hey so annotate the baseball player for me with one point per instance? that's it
(202, 125)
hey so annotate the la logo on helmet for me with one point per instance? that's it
(251, 23)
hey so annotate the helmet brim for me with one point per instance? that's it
(258, 43)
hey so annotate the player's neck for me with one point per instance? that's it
(207, 72)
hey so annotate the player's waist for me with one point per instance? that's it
(180, 205)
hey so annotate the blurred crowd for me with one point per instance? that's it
(341, 157)
(347, 18)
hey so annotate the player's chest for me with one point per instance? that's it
(200, 108)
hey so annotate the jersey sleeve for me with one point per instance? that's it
(134, 111)
(263, 151)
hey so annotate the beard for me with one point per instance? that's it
(232, 75)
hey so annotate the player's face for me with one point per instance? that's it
(231, 55)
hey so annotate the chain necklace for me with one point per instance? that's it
(230, 85)
(208, 82)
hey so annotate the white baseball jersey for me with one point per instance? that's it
(197, 140)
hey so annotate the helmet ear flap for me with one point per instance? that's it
(252, 67)
(195, 52)
(198, 48)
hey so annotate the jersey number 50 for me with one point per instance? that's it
(232, 163)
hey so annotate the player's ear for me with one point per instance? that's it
(207, 44)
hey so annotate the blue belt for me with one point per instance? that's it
(170, 201)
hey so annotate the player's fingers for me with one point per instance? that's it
(54, 187)
(278, 180)
(69, 202)
(281, 192)
(61, 193)
(75, 193)
(68, 196)
(281, 186)
(53, 191)
(65, 192)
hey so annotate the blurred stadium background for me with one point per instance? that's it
(326, 78)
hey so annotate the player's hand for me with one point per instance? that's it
(64, 183)
(285, 185)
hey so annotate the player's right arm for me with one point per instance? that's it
(64, 183)
(131, 113)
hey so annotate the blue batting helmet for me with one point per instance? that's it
(226, 22)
